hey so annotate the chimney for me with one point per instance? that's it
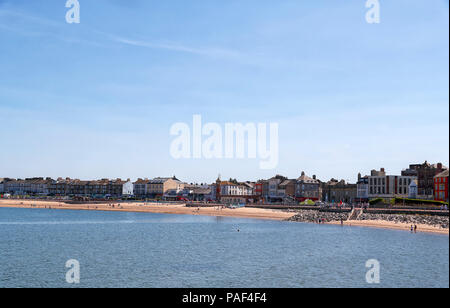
(314, 177)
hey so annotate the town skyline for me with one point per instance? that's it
(224, 176)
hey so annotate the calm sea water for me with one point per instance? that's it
(157, 250)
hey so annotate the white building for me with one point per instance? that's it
(127, 188)
(413, 190)
(231, 192)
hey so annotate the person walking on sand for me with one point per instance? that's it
(415, 228)
(412, 228)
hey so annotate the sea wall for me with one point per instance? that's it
(438, 221)
(314, 216)
(336, 216)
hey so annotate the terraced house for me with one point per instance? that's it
(441, 186)
(307, 188)
(30, 186)
(96, 188)
(140, 187)
(335, 191)
(233, 192)
(157, 187)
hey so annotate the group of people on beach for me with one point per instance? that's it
(413, 228)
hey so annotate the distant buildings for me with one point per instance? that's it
(31, 186)
(413, 190)
(140, 187)
(68, 187)
(157, 187)
(419, 181)
(276, 193)
(336, 191)
(389, 186)
(362, 189)
(441, 186)
(307, 188)
(233, 192)
(425, 174)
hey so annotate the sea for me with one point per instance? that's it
(46, 248)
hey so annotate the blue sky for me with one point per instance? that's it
(97, 99)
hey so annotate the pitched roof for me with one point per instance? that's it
(306, 179)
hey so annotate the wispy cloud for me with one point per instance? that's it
(170, 46)
(206, 51)
(29, 18)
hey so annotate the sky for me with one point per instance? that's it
(97, 99)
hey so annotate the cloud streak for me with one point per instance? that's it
(210, 52)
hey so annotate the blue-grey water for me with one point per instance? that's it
(158, 250)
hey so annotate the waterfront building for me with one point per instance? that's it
(335, 191)
(140, 187)
(233, 192)
(190, 192)
(425, 174)
(362, 189)
(157, 187)
(413, 189)
(441, 186)
(389, 186)
(288, 188)
(307, 188)
(275, 192)
(127, 188)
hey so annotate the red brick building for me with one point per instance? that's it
(441, 186)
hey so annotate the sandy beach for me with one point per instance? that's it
(180, 209)
(394, 226)
(152, 208)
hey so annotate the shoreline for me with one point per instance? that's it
(249, 213)
(264, 214)
(383, 224)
